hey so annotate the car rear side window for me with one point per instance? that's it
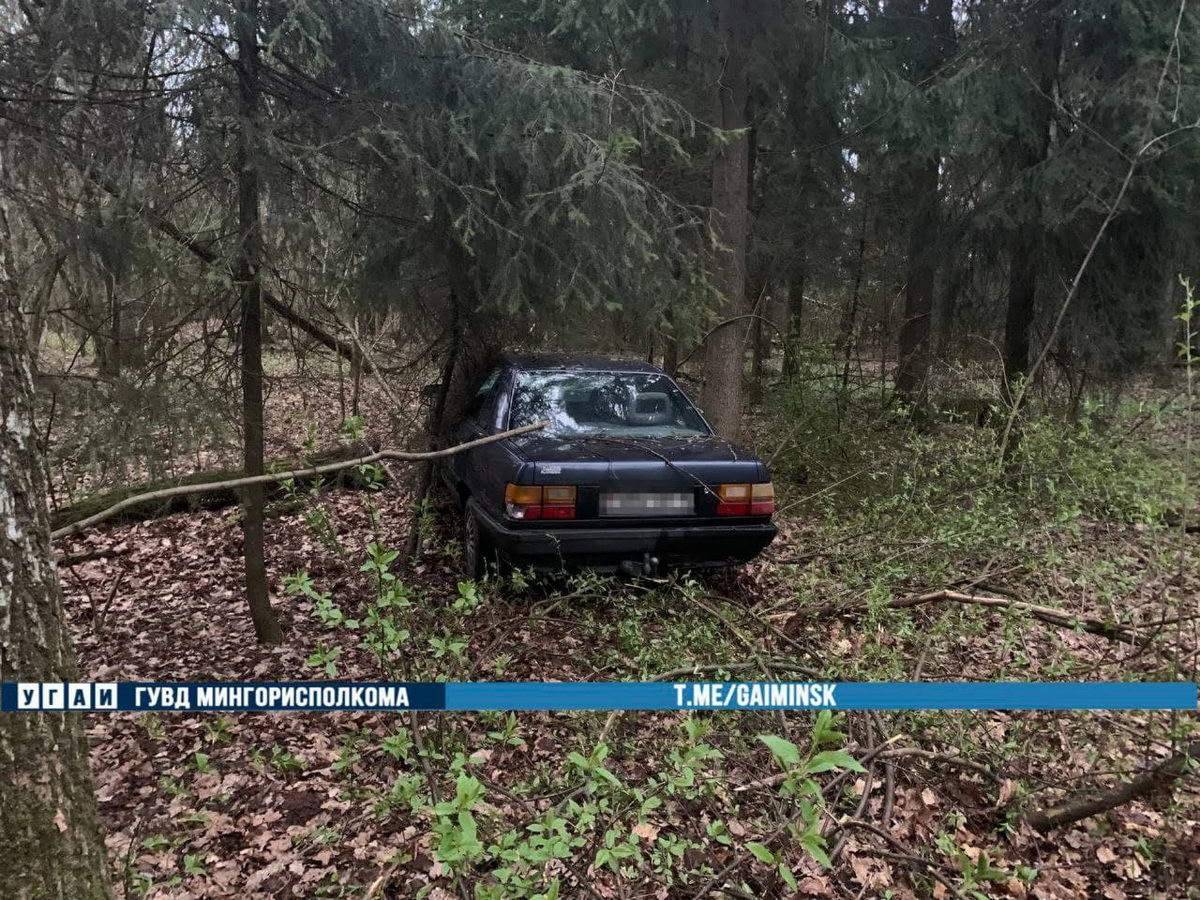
(484, 399)
(632, 404)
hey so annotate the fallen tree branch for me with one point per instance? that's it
(1147, 783)
(208, 494)
(236, 483)
(1046, 613)
(71, 559)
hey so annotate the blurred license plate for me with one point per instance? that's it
(647, 504)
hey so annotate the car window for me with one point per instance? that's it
(481, 403)
(634, 404)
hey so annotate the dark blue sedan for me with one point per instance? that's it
(627, 476)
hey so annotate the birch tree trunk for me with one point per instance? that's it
(52, 844)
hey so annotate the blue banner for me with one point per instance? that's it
(299, 696)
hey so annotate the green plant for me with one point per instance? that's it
(507, 733)
(976, 873)
(299, 584)
(405, 794)
(283, 761)
(201, 763)
(153, 725)
(398, 745)
(173, 787)
(448, 647)
(141, 884)
(324, 658)
(323, 835)
(456, 833)
(799, 767)
(468, 598)
(320, 524)
(192, 865)
(616, 847)
(591, 767)
(217, 731)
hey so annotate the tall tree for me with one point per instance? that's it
(928, 29)
(724, 352)
(53, 847)
(247, 271)
(1029, 150)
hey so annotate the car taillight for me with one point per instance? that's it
(528, 502)
(762, 499)
(558, 501)
(745, 499)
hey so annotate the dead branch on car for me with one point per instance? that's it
(235, 483)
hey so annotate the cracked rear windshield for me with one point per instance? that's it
(632, 404)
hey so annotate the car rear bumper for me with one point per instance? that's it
(606, 547)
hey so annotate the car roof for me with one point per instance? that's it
(584, 361)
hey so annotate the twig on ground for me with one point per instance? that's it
(1147, 783)
(902, 852)
(101, 615)
(380, 884)
(1046, 614)
(74, 559)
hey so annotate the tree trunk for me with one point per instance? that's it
(671, 350)
(1022, 302)
(912, 355)
(437, 428)
(1156, 779)
(760, 339)
(791, 350)
(849, 327)
(1026, 244)
(116, 327)
(53, 847)
(913, 348)
(266, 626)
(37, 324)
(671, 356)
(724, 352)
(947, 308)
(217, 497)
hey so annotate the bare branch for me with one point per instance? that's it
(234, 483)
(1147, 783)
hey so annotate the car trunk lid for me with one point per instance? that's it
(623, 479)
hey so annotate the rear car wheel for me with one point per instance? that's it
(475, 550)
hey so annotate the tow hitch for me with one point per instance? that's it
(648, 566)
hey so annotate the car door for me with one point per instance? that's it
(481, 470)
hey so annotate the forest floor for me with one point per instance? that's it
(664, 804)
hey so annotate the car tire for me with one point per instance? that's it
(475, 549)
